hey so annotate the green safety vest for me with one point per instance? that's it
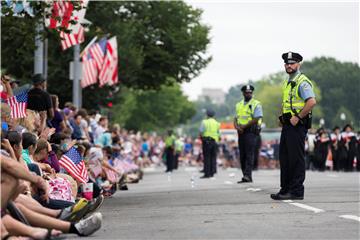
(212, 128)
(169, 141)
(292, 93)
(245, 112)
(178, 145)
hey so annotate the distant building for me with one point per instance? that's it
(216, 95)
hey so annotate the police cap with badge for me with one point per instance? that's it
(291, 57)
(247, 88)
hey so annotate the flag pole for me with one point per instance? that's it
(88, 46)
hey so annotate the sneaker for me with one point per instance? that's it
(95, 204)
(80, 204)
(76, 212)
(89, 225)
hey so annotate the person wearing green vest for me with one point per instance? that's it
(247, 122)
(210, 134)
(170, 151)
(298, 100)
(179, 146)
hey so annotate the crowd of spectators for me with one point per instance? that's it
(43, 197)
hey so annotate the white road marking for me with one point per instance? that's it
(307, 207)
(228, 182)
(332, 175)
(351, 217)
(191, 169)
(253, 189)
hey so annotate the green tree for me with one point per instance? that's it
(339, 84)
(158, 43)
(268, 92)
(349, 118)
(154, 110)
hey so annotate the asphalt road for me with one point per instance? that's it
(171, 207)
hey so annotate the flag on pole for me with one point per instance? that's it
(89, 70)
(61, 12)
(18, 105)
(109, 71)
(71, 39)
(98, 51)
(72, 162)
(65, 11)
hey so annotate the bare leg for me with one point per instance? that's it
(17, 228)
(8, 188)
(34, 205)
(40, 220)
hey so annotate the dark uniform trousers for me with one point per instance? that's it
(292, 159)
(209, 151)
(176, 160)
(170, 159)
(247, 144)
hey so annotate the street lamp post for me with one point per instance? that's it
(343, 118)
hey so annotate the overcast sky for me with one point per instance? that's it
(248, 38)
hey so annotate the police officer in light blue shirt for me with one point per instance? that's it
(247, 122)
(298, 100)
(305, 89)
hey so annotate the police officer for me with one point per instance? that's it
(210, 134)
(298, 99)
(170, 151)
(247, 123)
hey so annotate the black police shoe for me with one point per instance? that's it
(286, 196)
(245, 179)
(205, 176)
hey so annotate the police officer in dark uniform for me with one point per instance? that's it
(210, 134)
(298, 99)
(170, 151)
(247, 122)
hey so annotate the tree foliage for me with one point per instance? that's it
(340, 84)
(158, 43)
(154, 110)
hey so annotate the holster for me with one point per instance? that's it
(306, 121)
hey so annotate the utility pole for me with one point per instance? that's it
(39, 51)
(77, 94)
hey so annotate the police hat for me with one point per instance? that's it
(38, 78)
(291, 57)
(247, 88)
(210, 113)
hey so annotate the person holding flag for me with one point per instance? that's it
(73, 163)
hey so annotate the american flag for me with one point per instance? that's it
(18, 105)
(109, 70)
(98, 52)
(72, 162)
(65, 11)
(71, 39)
(89, 70)
(62, 10)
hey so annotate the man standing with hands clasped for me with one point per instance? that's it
(298, 99)
(248, 124)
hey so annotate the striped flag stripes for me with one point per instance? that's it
(18, 105)
(89, 70)
(73, 163)
(109, 70)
